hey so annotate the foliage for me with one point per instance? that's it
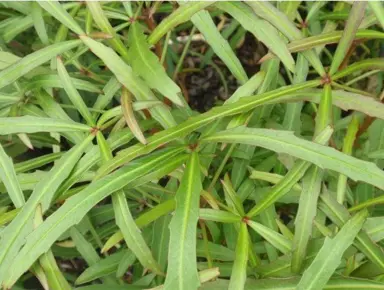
(112, 179)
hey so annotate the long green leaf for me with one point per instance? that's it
(378, 9)
(125, 75)
(101, 268)
(182, 266)
(53, 81)
(322, 156)
(305, 216)
(243, 105)
(339, 215)
(239, 270)
(98, 15)
(56, 10)
(344, 100)
(9, 178)
(76, 207)
(182, 14)
(125, 222)
(33, 60)
(319, 40)
(27, 124)
(73, 94)
(354, 19)
(261, 29)
(146, 64)
(277, 240)
(204, 23)
(329, 257)
(20, 227)
(278, 19)
(291, 284)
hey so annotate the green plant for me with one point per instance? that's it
(130, 188)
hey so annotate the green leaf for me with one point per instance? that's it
(329, 257)
(127, 108)
(9, 178)
(125, 75)
(344, 100)
(146, 64)
(305, 216)
(231, 197)
(317, 41)
(53, 81)
(278, 19)
(291, 284)
(270, 177)
(16, 232)
(27, 124)
(261, 29)
(322, 156)
(99, 16)
(218, 216)
(38, 20)
(48, 263)
(378, 10)
(55, 9)
(76, 207)
(73, 94)
(349, 141)
(132, 235)
(182, 266)
(354, 19)
(339, 215)
(275, 239)
(204, 23)
(248, 88)
(204, 276)
(109, 90)
(84, 247)
(366, 64)
(180, 15)
(33, 60)
(143, 220)
(101, 268)
(239, 270)
(193, 123)
(37, 162)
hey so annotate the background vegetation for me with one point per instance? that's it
(201, 145)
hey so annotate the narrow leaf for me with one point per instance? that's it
(20, 227)
(239, 270)
(305, 216)
(9, 178)
(322, 156)
(278, 19)
(147, 65)
(243, 105)
(354, 19)
(182, 265)
(180, 15)
(378, 10)
(33, 60)
(127, 108)
(275, 239)
(329, 257)
(27, 124)
(55, 9)
(261, 29)
(76, 207)
(204, 23)
(125, 75)
(73, 94)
